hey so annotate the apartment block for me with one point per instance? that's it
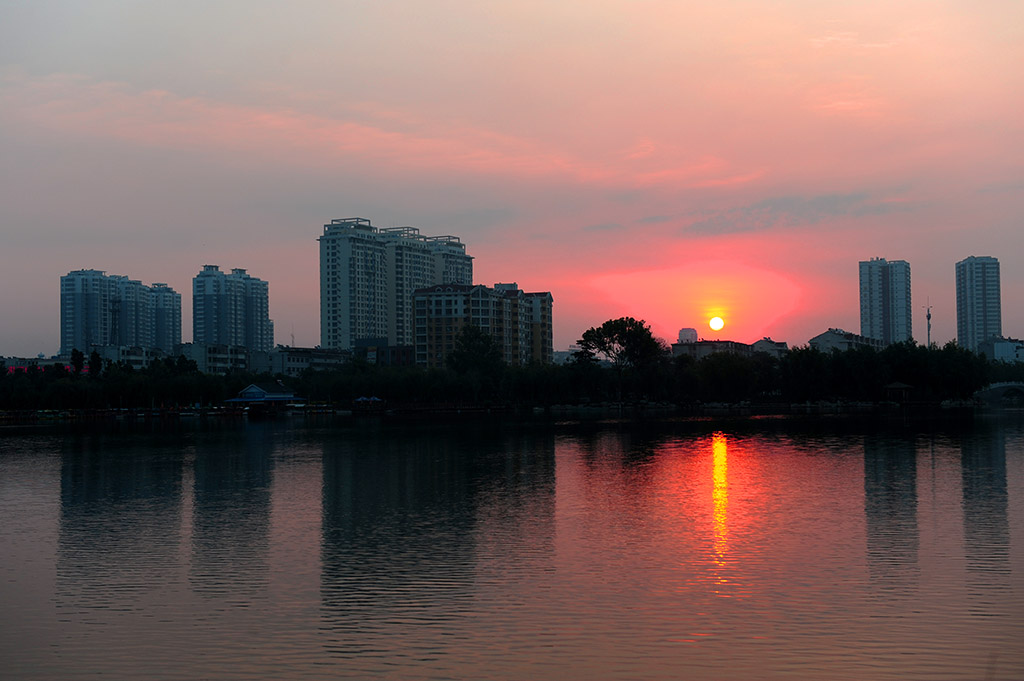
(520, 322)
(97, 309)
(978, 301)
(368, 277)
(231, 309)
(885, 300)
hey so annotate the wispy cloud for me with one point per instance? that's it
(793, 211)
(604, 227)
(375, 136)
(654, 219)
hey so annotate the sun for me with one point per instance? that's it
(716, 323)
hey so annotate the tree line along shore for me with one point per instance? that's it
(618, 362)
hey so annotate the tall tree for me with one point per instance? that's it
(625, 342)
(95, 364)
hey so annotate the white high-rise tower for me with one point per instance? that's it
(885, 301)
(368, 276)
(978, 305)
(231, 309)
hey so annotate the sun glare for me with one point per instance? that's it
(716, 323)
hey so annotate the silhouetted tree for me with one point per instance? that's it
(95, 364)
(77, 361)
(625, 342)
(476, 358)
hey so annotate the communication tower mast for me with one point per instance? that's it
(928, 316)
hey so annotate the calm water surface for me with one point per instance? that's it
(481, 551)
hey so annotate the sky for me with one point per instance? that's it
(664, 160)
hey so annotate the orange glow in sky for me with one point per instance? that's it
(752, 298)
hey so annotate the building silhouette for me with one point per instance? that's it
(885, 301)
(978, 305)
(98, 310)
(519, 322)
(368, 277)
(231, 309)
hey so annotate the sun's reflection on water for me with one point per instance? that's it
(720, 496)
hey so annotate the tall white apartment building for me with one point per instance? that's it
(231, 309)
(97, 309)
(368, 277)
(978, 304)
(885, 301)
(166, 307)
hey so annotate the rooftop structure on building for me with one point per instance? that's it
(978, 301)
(885, 300)
(231, 309)
(688, 335)
(97, 309)
(368, 276)
(519, 322)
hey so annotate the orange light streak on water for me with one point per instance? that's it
(720, 496)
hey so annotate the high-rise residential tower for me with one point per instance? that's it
(885, 302)
(368, 276)
(978, 305)
(166, 306)
(97, 309)
(231, 309)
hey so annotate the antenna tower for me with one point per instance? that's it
(928, 316)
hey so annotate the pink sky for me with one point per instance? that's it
(661, 160)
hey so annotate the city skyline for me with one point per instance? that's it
(663, 161)
(885, 292)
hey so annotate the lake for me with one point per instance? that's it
(364, 549)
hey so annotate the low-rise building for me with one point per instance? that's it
(766, 345)
(135, 356)
(13, 365)
(703, 348)
(1002, 349)
(291, 361)
(216, 359)
(838, 339)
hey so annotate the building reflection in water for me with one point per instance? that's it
(985, 509)
(120, 520)
(411, 524)
(231, 513)
(890, 508)
(720, 495)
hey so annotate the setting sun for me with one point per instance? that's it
(716, 323)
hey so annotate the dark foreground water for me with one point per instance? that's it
(482, 551)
